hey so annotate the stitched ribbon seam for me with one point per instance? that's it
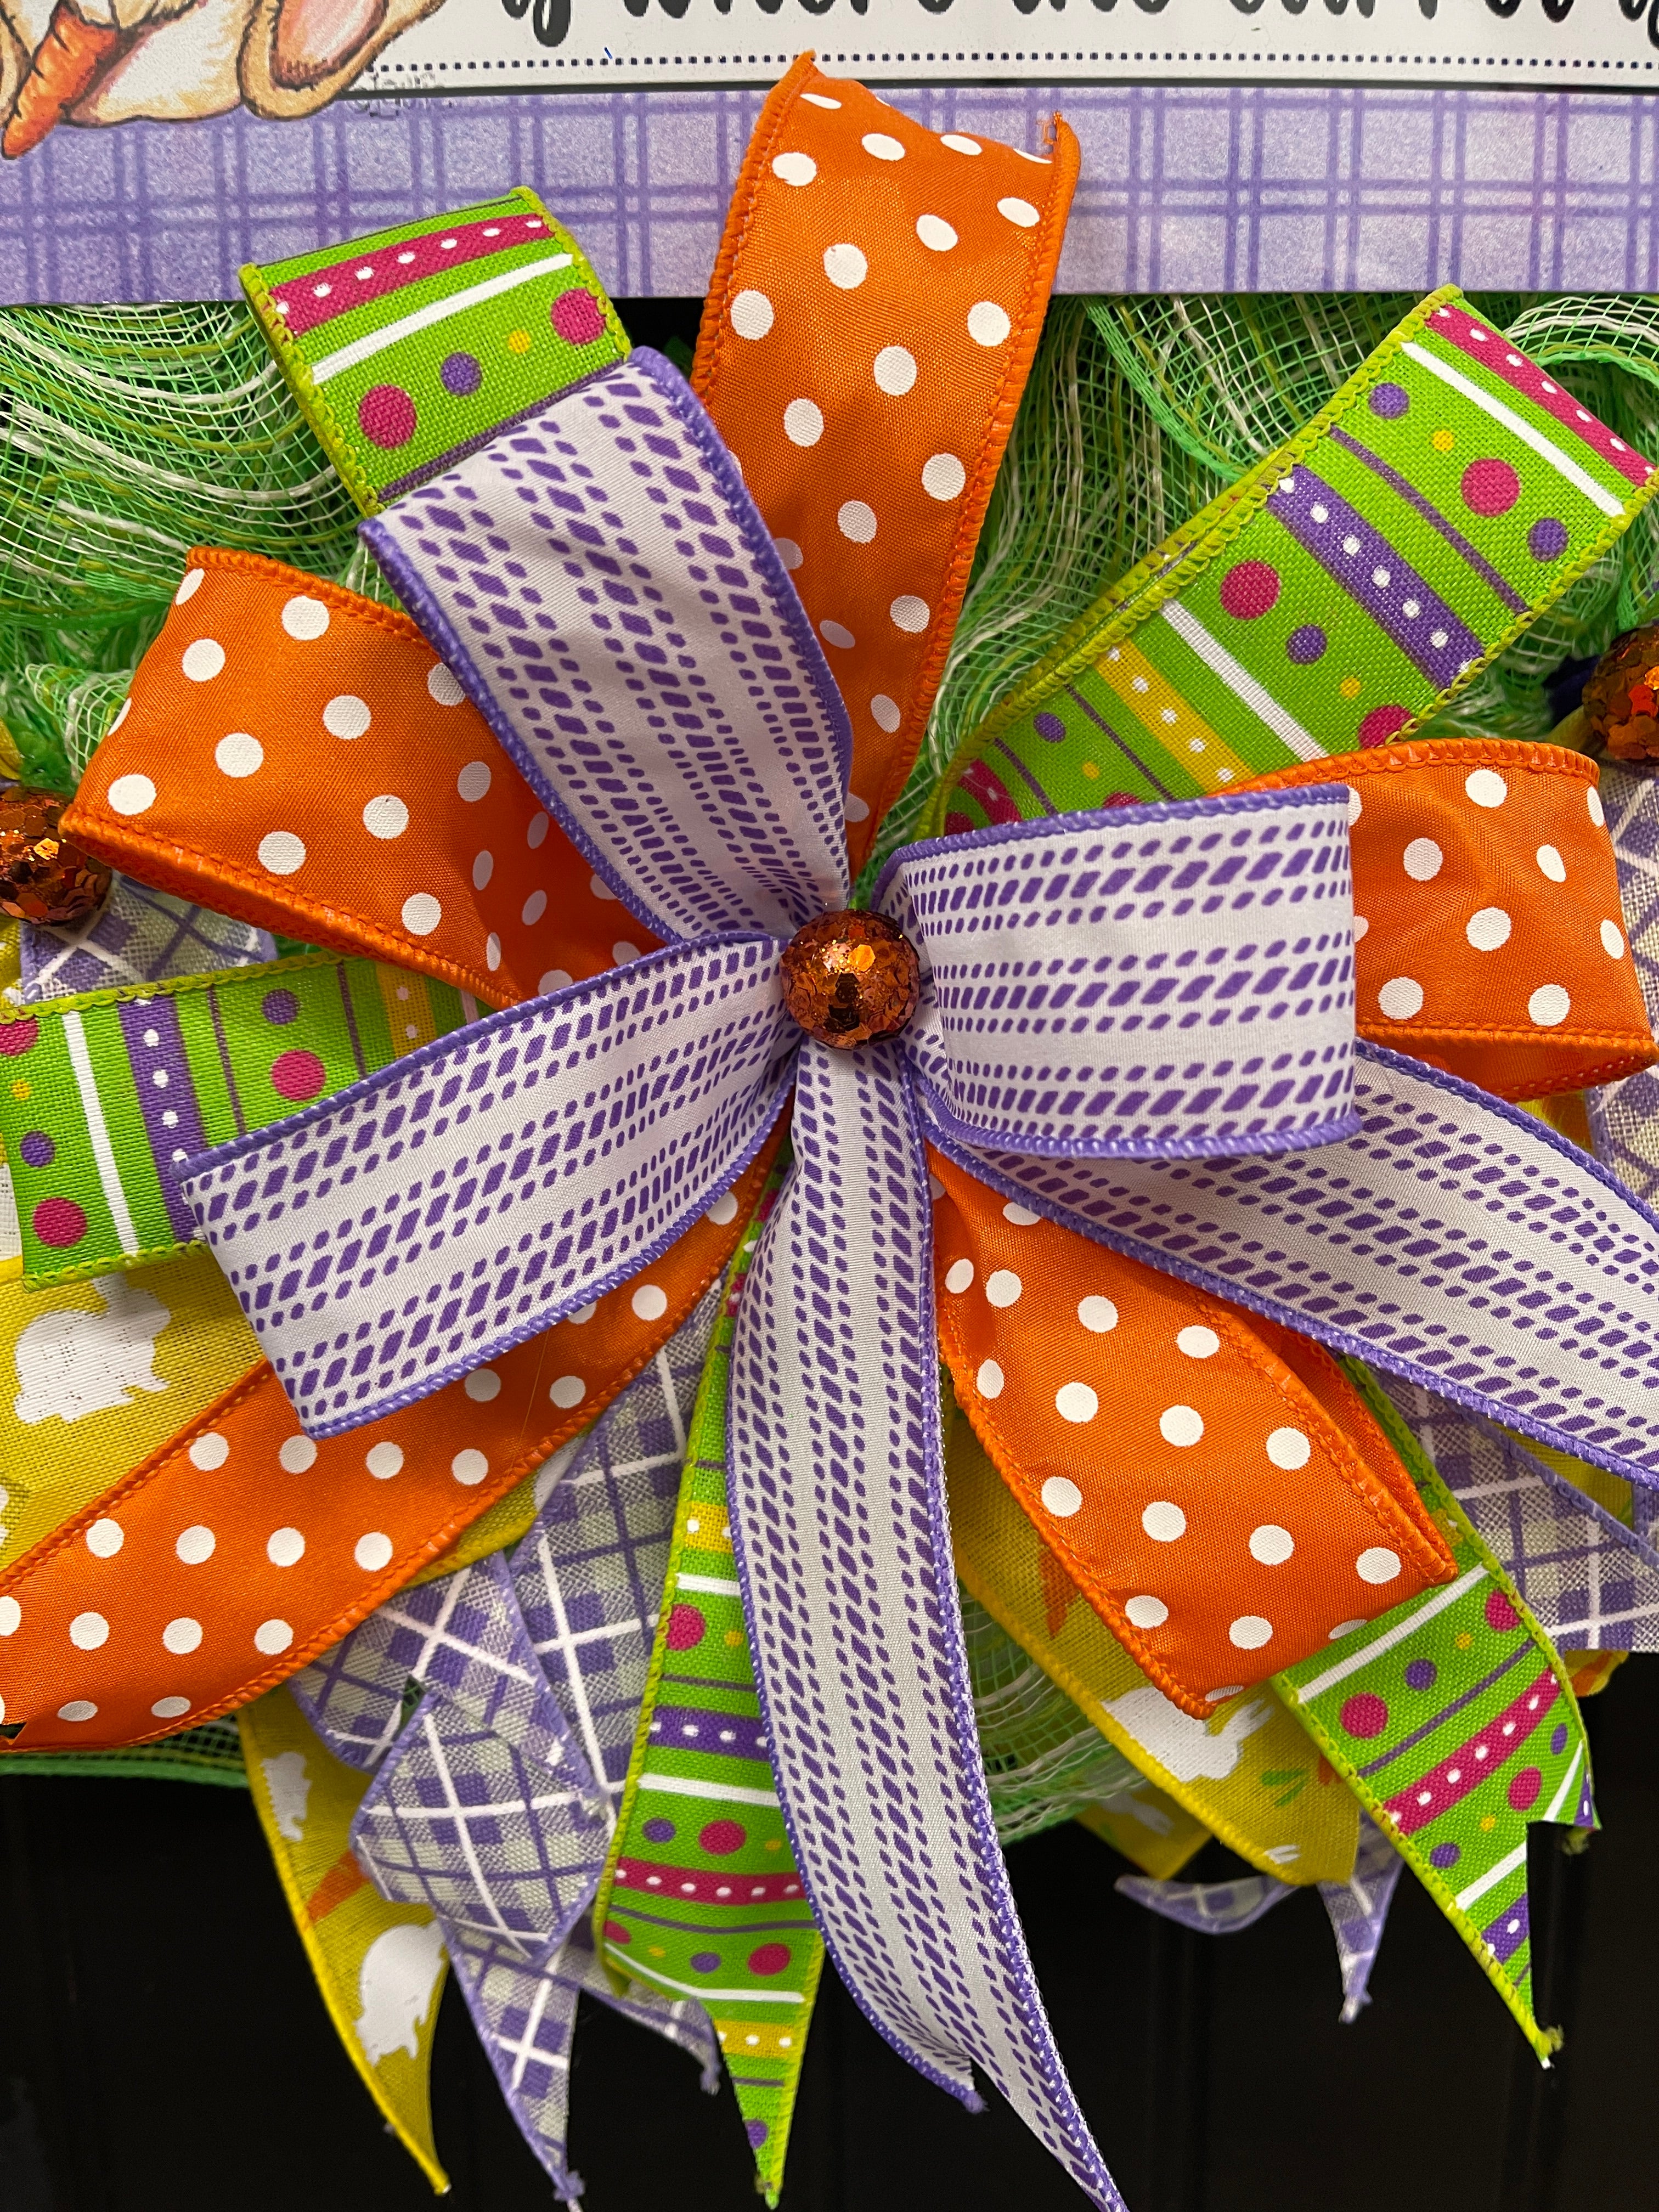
(1491, 940)
(1290, 1826)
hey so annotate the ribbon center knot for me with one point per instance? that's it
(851, 978)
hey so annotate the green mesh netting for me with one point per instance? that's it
(129, 434)
(1043, 1761)
(212, 1753)
(1140, 411)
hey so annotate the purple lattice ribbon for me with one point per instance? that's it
(492, 1801)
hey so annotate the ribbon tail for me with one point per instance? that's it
(843, 1552)
(1208, 1908)
(1358, 1911)
(527, 2022)
(379, 1964)
(1453, 1721)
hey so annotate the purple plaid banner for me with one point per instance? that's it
(1592, 1583)
(1184, 188)
(1358, 1909)
(138, 936)
(526, 2021)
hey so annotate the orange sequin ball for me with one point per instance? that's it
(851, 978)
(44, 877)
(1621, 699)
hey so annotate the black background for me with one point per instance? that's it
(162, 2048)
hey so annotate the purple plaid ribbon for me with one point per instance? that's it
(1358, 1909)
(1138, 1022)
(492, 1799)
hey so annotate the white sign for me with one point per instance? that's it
(503, 46)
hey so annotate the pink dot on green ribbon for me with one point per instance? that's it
(576, 317)
(16, 1037)
(1249, 588)
(686, 1628)
(1380, 724)
(298, 1075)
(386, 414)
(1365, 1716)
(1490, 487)
(1525, 1788)
(59, 1222)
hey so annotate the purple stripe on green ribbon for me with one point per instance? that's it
(1505, 1935)
(1407, 1743)
(157, 1019)
(1356, 556)
(1436, 520)
(1134, 760)
(694, 1727)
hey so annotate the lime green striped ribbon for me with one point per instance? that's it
(701, 1896)
(104, 1096)
(1333, 599)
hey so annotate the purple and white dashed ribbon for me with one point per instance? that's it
(1136, 1021)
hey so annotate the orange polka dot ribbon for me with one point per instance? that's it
(242, 1547)
(1332, 601)
(1248, 1508)
(872, 317)
(406, 349)
(1489, 935)
(300, 756)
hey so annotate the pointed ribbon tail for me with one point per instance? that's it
(1359, 1912)
(1453, 1722)
(700, 1893)
(378, 1963)
(843, 1553)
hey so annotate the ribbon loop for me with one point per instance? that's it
(492, 1183)
(603, 584)
(1169, 983)
(1489, 935)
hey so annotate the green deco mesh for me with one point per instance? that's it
(1043, 1761)
(127, 435)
